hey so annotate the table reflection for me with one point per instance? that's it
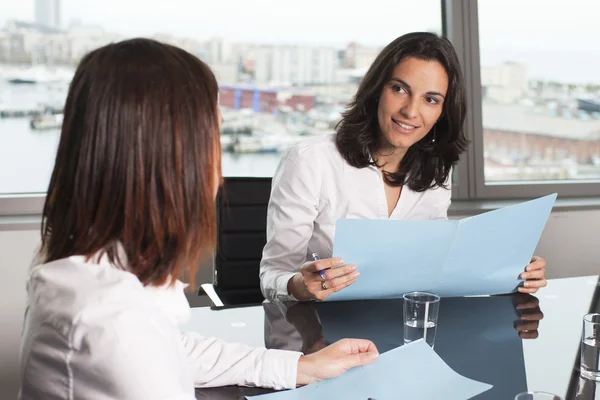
(479, 337)
(482, 338)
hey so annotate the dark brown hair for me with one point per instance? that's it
(428, 162)
(137, 161)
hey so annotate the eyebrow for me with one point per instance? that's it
(408, 87)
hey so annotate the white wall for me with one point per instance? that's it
(569, 243)
(16, 251)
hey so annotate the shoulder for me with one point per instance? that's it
(70, 285)
(103, 316)
(320, 146)
(69, 298)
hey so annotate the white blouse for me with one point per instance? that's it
(312, 188)
(93, 331)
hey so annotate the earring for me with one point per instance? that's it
(433, 140)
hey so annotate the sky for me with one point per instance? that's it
(555, 37)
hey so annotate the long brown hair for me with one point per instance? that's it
(428, 162)
(136, 165)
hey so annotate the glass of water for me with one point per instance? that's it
(420, 316)
(537, 396)
(590, 347)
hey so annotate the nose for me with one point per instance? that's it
(409, 109)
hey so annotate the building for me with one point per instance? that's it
(359, 57)
(535, 144)
(47, 13)
(220, 51)
(294, 65)
(264, 99)
(505, 83)
(226, 74)
(27, 43)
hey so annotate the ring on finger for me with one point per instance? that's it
(324, 285)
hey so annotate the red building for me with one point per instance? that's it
(265, 100)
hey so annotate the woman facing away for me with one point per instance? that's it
(129, 209)
(391, 158)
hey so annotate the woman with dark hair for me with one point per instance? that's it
(391, 158)
(129, 209)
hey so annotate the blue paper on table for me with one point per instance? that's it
(412, 371)
(480, 255)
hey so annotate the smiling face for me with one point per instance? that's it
(410, 103)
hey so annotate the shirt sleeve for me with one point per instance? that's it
(131, 357)
(216, 363)
(292, 210)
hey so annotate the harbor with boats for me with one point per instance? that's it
(548, 131)
(273, 120)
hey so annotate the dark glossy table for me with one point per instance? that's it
(514, 342)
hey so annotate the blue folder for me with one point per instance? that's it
(412, 371)
(479, 255)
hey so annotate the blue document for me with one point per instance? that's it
(412, 371)
(480, 255)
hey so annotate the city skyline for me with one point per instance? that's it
(47, 13)
(239, 21)
(513, 24)
(558, 47)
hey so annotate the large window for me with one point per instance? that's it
(285, 73)
(540, 89)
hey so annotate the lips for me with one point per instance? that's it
(403, 127)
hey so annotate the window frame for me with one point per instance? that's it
(22, 204)
(461, 26)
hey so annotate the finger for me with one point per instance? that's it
(362, 346)
(529, 335)
(536, 263)
(532, 316)
(535, 283)
(334, 283)
(333, 273)
(527, 302)
(527, 326)
(315, 266)
(321, 294)
(527, 290)
(327, 263)
(535, 274)
(344, 285)
(359, 359)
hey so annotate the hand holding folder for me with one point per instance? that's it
(479, 255)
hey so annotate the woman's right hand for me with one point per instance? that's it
(309, 285)
(530, 315)
(335, 359)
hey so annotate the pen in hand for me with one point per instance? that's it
(315, 257)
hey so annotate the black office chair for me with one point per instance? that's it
(241, 236)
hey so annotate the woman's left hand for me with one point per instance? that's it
(534, 276)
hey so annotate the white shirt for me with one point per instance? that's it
(312, 188)
(93, 331)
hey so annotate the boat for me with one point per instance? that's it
(254, 144)
(589, 105)
(46, 122)
(22, 81)
(39, 75)
(227, 143)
